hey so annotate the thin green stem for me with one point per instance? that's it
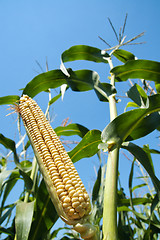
(110, 194)
(110, 198)
(33, 177)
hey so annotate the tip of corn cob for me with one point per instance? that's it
(65, 186)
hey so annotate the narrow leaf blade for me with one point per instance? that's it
(145, 69)
(23, 220)
(44, 81)
(84, 52)
(123, 55)
(87, 147)
(142, 157)
(119, 129)
(85, 80)
(72, 129)
(11, 99)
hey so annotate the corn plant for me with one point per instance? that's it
(52, 186)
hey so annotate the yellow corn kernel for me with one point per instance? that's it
(67, 191)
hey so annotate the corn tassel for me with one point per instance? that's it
(64, 185)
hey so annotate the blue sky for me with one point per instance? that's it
(34, 30)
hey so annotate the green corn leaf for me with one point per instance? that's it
(135, 201)
(61, 94)
(157, 86)
(138, 95)
(119, 129)
(130, 183)
(3, 175)
(83, 52)
(54, 99)
(146, 126)
(7, 231)
(11, 99)
(142, 157)
(44, 81)
(9, 184)
(148, 150)
(139, 186)
(10, 144)
(85, 80)
(132, 105)
(23, 220)
(87, 147)
(7, 143)
(71, 129)
(146, 69)
(27, 180)
(97, 185)
(123, 55)
(6, 214)
(45, 214)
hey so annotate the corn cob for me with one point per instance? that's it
(66, 189)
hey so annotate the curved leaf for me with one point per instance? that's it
(10, 144)
(54, 99)
(119, 129)
(9, 184)
(7, 143)
(27, 180)
(3, 175)
(6, 214)
(11, 99)
(142, 157)
(84, 52)
(123, 55)
(23, 220)
(72, 129)
(132, 105)
(64, 88)
(149, 70)
(85, 80)
(87, 147)
(138, 95)
(139, 186)
(82, 80)
(44, 81)
(146, 126)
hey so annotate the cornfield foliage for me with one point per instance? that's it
(33, 216)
